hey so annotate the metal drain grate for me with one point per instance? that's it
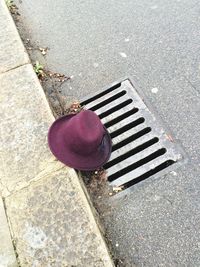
(141, 147)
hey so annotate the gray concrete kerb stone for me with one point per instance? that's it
(25, 118)
(7, 254)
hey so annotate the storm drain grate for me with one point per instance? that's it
(141, 148)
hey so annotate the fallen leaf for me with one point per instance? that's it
(118, 188)
(43, 50)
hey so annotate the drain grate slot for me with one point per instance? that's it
(131, 152)
(126, 148)
(109, 100)
(85, 102)
(120, 118)
(137, 164)
(111, 110)
(127, 127)
(131, 138)
(140, 146)
(148, 174)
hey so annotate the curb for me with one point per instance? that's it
(12, 51)
(7, 253)
(29, 168)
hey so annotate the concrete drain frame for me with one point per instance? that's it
(142, 146)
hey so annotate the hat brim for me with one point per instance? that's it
(69, 157)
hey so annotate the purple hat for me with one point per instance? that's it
(80, 141)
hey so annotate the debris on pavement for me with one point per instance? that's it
(58, 77)
(43, 50)
(75, 107)
(117, 189)
(12, 7)
(169, 137)
(154, 90)
(95, 181)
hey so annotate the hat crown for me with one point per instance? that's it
(86, 132)
(80, 141)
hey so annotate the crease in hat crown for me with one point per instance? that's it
(88, 132)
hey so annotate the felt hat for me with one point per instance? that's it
(80, 141)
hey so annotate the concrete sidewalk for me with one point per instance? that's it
(50, 219)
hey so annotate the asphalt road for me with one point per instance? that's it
(157, 43)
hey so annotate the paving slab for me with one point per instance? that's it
(52, 224)
(12, 51)
(7, 255)
(25, 118)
